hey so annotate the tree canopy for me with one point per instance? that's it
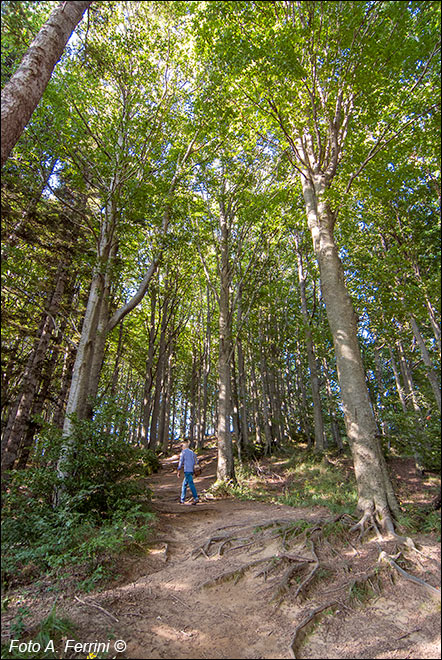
(223, 218)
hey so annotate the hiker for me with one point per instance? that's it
(188, 461)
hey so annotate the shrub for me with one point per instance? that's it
(101, 511)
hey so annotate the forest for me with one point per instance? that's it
(220, 225)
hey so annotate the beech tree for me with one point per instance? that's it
(254, 188)
(139, 108)
(22, 93)
(314, 71)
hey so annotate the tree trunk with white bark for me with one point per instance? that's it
(431, 372)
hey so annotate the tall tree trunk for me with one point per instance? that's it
(193, 399)
(411, 397)
(146, 407)
(122, 421)
(225, 469)
(397, 379)
(242, 396)
(431, 373)
(134, 434)
(375, 492)
(32, 425)
(173, 422)
(255, 395)
(379, 402)
(434, 322)
(164, 432)
(20, 414)
(183, 423)
(159, 378)
(304, 413)
(10, 354)
(235, 408)
(407, 376)
(116, 370)
(98, 353)
(66, 376)
(268, 429)
(289, 394)
(241, 381)
(274, 404)
(206, 371)
(336, 434)
(77, 401)
(283, 402)
(312, 365)
(22, 93)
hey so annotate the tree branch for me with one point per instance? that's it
(379, 145)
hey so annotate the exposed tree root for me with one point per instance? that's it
(311, 575)
(363, 527)
(369, 522)
(294, 569)
(408, 576)
(302, 629)
(227, 541)
(284, 583)
(235, 574)
(360, 582)
(166, 552)
(292, 557)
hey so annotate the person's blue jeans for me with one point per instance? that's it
(188, 481)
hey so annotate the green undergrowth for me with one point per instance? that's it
(103, 513)
(53, 542)
(242, 488)
(418, 519)
(308, 480)
(315, 481)
(239, 489)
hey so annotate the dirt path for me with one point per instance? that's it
(180, 619)
(185, 600)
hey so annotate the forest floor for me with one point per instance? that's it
(231, 578)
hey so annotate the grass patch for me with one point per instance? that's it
(312, 483)
(417, 519)
(240, 489)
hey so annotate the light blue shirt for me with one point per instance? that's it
(188, 460)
